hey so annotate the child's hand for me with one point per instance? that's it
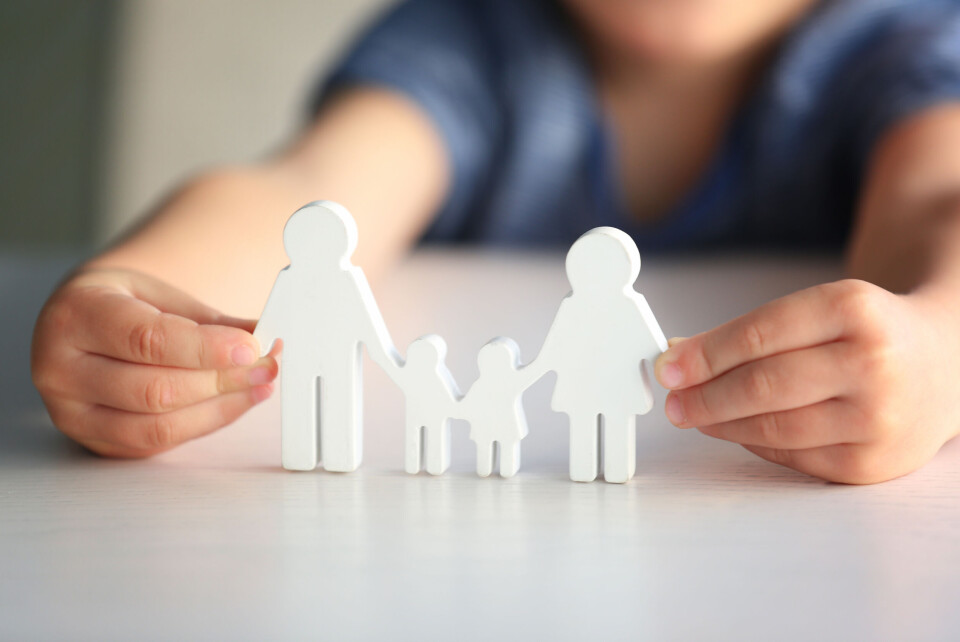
(129, 366)
(844, 381)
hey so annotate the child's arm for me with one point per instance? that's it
(847, 381)
(220, 237)
(130, 363)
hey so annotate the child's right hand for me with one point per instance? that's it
(130, 366)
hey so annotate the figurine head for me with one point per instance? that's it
(499, 355)
(427, 352)
(320, 233)
(604, 259)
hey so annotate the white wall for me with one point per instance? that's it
(211, 81)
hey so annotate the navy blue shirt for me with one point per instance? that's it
(508, 88)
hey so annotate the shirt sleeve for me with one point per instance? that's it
(440, 54)
(913, 66)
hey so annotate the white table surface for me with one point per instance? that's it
(215, 541)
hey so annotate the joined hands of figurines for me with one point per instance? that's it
(603, 334)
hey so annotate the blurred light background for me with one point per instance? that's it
(105, 105)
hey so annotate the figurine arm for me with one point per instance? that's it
(376, 337)
(546, 360)
(450, 385)
(654, 342)
(387, 358)
(530, 374)
(269, 327)
(462, 407)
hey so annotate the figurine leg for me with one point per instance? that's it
(438, 448)
(584, 454)
(298, 422)
(509, 459)
(619, 448)
(341, 428)
(413, 448)
(484, 458)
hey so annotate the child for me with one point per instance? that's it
(494, 408)
(431, 396)
(693, 124)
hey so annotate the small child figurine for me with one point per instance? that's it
(431, 397)
(494, 409)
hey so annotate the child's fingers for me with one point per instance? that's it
(158, 389)
(162, 296)
(793, 322)
(142, 434)
(823, 424)
(276, 350)
(119, 326)
(167, 298)
(781, 382)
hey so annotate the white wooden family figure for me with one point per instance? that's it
(431, 395)
(322, 309)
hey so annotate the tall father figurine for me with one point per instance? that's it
(322, 308)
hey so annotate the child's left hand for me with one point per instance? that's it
(845, 381)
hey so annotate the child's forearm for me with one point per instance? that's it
(219, 231)
(907, 234)
(921, 256)
(941, 280)
(923, 261)
(219, 237)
